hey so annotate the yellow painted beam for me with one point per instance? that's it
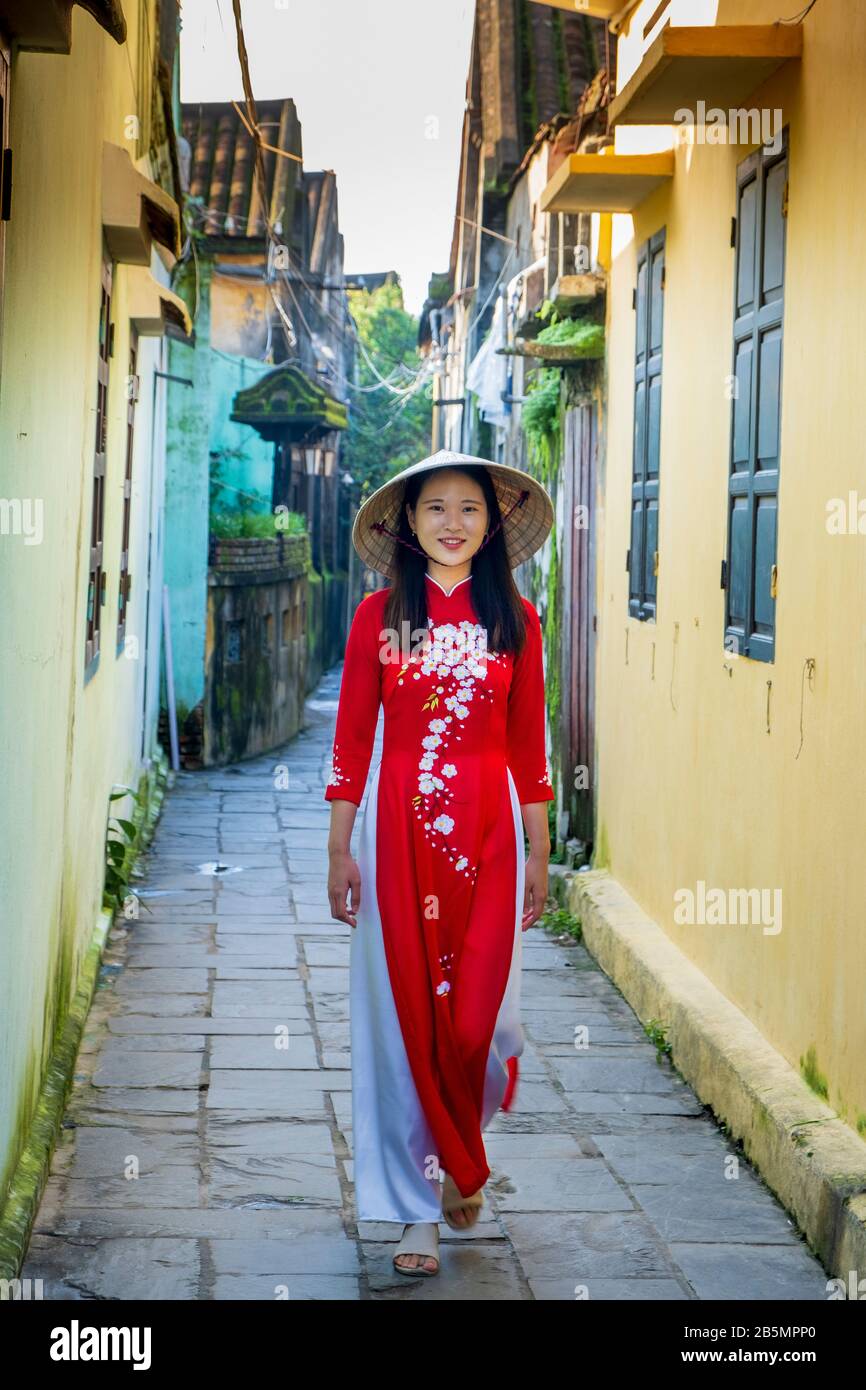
(596, 9)
(605, 182)
(720, 66)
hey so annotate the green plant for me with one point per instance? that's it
(561, 921)
(552, 628)
(655, 1031)
(540, 418)
(120, 840)
(584, 333)
(290, 523)
(234, 525)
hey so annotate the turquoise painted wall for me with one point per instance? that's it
(186, 493)
(199, 425)
(247, 469)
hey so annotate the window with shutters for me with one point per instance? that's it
(5, 158)
(749, 570)
(125, 581)
(96, 577)
(642, 559)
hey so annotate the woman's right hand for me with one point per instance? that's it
(344, 877)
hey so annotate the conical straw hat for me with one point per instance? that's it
(525, 526)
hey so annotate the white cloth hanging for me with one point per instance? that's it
(486, 374)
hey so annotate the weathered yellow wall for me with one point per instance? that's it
(691, 784)
(63, 744)
(240, 308)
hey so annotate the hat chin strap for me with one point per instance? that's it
(382, 529)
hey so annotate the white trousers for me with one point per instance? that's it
(395, 1163)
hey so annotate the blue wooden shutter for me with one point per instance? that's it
(649, 299)
(753, 483)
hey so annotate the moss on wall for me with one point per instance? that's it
(811, 1074)
(528, 98)
(601, 851)
(50, 1074)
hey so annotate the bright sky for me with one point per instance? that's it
(380, 89)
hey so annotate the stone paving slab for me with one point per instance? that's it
(169, 1268)
(207, 1147)
(133, 1042)
(265, 1053)
(140, 1025)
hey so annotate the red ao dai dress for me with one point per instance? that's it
(436, 953)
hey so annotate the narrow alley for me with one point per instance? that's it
(464, 368)
(206, 1151)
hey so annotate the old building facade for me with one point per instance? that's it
(257, 612)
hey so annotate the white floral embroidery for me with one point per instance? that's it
(336, 776)
(456, 652)
(445, 963)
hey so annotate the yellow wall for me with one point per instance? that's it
(63, 743)
(691, 785)
(240, 308)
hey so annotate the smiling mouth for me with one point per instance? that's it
(452, 542)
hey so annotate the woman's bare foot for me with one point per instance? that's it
(463, 1216)
(413, 1261)
(460, 1213)
(424, 1236)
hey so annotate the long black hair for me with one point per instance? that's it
(495, 595)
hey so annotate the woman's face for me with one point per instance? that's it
(450, 516)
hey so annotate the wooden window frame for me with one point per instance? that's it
(752, 483)
(124, 584)
(5, 160)
(96, 575)
(643, 568)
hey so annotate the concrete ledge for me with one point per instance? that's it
(812, 1160)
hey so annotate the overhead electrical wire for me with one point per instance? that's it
(250, 123)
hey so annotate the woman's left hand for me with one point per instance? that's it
(535, 890)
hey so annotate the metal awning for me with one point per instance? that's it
(606, 182)
(717, 65)
(286, 401)
(135, 210)
(152, 306)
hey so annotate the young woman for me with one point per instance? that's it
(440, 892)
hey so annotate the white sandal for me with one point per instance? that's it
(420, 1238)
(453, 1200)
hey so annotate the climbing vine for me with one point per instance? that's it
(552, 631)
(548, 394)
(541, 422)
